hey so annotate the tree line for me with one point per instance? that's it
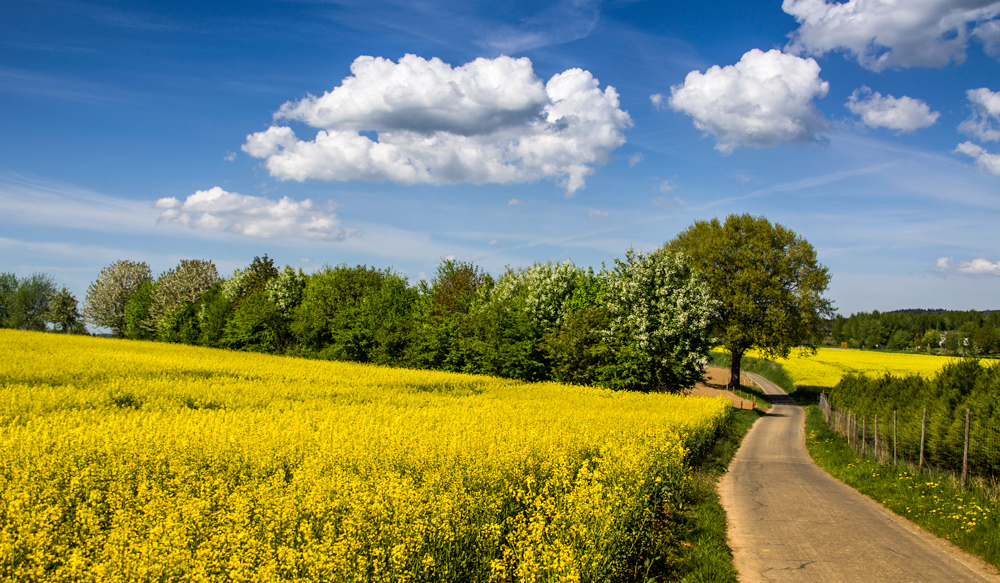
(641, 325)
(34, 303)
(645, 323)
(949, 332)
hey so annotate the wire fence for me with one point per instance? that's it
(965, 443)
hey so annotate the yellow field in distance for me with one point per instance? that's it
(136, 461)
(825, 368)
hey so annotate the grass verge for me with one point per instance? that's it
(703, 549)
(931, 499)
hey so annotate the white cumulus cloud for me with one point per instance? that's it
(974, 267)
(988, 33)
(254, 216)
(891, 33)
(763, 100)
(488, 121)
(597, 214)
(984, 123)
(984, 160)
(903, 114)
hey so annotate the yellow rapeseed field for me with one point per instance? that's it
(135, 461)
(825, 368)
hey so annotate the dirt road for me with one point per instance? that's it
(790, 521)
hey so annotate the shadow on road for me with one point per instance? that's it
(782, 400)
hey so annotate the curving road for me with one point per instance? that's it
(790, 521)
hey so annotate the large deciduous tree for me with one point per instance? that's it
(766, 281)
(107, 297)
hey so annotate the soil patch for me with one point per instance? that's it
(714, 385)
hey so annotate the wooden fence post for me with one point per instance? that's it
(965, 455)
(894, 462)
(876, 437)
(864, 431)
(923, 433)
(850, 429)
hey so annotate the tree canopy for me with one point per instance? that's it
(24, 301)
(110, 293)
(765, 280)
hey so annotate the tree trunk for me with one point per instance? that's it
(734, 369)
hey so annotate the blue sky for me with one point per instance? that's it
(397, 134)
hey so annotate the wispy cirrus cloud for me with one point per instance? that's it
(60, 87)
(563, 22)
(49, 203)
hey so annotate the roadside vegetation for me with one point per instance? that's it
(641, 324)
(705, 556)
(944, 399)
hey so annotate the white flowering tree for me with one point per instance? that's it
(544, 291)
(658, 323)
(107, 297)
(286, 289)
(179, 286)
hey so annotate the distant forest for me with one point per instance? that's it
(938, 331)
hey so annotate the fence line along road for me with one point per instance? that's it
(962, 444)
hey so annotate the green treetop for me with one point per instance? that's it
(765, 280)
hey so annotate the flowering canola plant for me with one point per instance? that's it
(136, 461)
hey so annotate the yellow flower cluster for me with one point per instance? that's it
(134, 461)
(959, 511)
(825, 368)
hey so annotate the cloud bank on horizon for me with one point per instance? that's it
(488, 121)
